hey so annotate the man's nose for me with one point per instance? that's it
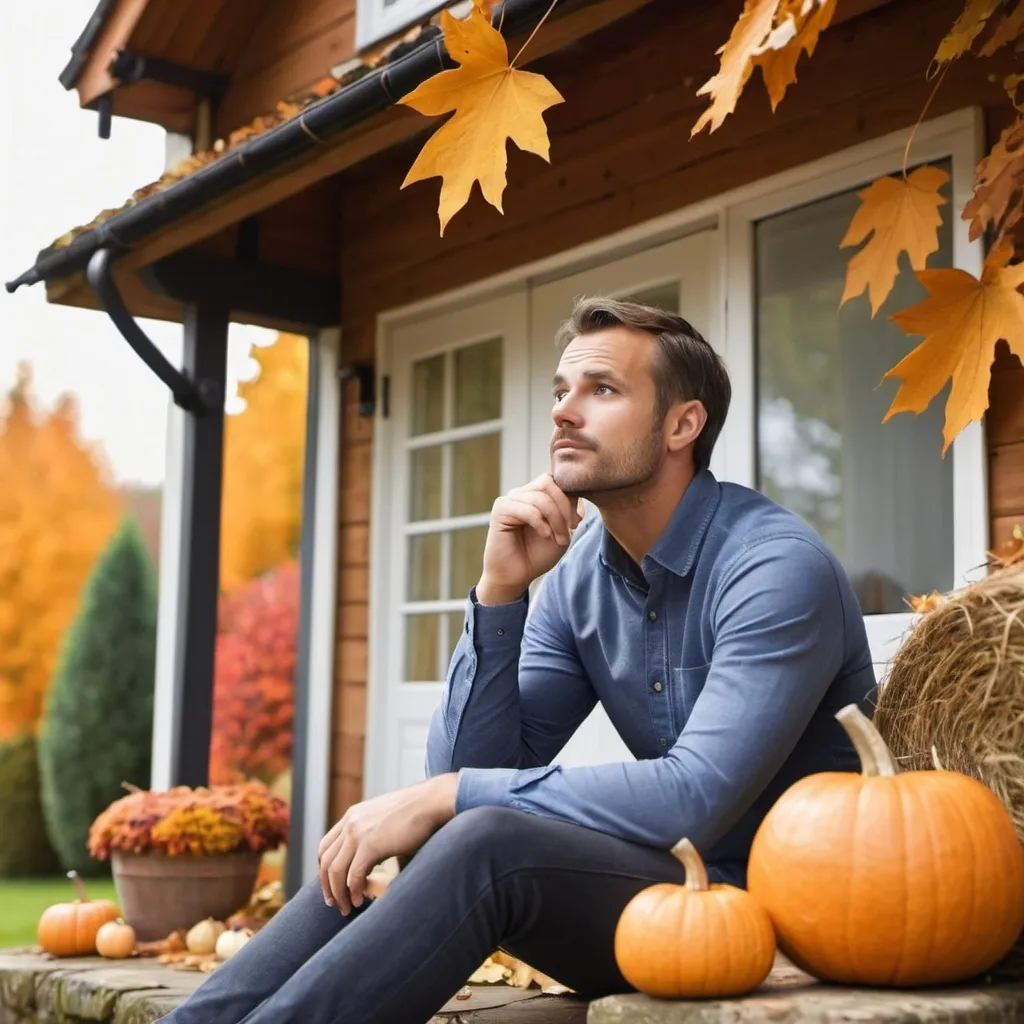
(566, 413)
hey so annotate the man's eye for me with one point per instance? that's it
(605, 387)
(558, 395)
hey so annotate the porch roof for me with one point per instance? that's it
(345, 119)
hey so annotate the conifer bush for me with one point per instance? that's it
(25, 848)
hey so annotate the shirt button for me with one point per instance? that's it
(501, 632)
(657, 686)
(652, 615)
(663, 741)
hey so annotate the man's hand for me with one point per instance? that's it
(530, 529)
(393, 825)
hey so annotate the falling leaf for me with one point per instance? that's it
(999, 176)
(961, 321)
(799, 31)
(747, 36)
(1008, 29)
(486, 7)
(492, 102)
(1010, 551)
(965, 30)
(901, 215)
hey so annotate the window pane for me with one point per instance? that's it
(476, 474)
(428, 395)
(425, 483)
(478, 383)
(421, 648)
(467, 553)
(881, 496)
(425, 567)
(456, 622)
(664, 296)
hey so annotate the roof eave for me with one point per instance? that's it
(83, 44)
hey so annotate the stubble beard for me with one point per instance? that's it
(612, 480)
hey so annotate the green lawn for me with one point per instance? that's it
(24, 899)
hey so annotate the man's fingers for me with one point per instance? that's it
(328, 840)
(338, 874)
(516, 513)
(325, 861)
(357, 878)
(571, 511)
(554, 522)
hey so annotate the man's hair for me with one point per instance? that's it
(686, 367)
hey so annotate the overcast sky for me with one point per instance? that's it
(56, 172)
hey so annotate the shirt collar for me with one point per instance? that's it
(677, 547)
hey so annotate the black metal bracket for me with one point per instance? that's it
(129, 67)
(105, 109)
(363, 372)
(195, 396)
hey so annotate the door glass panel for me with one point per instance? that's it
(428, 395)
(664, 296)
(422, 647)
(456, 623)
(880, 495)
(425, 483)
(467, 553)
(424, 567)
(478, 383)
(476, 474)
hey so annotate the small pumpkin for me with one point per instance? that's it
(230, 942)
(115, 940)
(69, 929)
(694, 940)
(202, 937)
(887, 878)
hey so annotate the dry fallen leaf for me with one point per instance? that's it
(921, 604)
(965, 30)
(746, 39)
(800, 26)
(1010, 26)
(492, 102)
(523, 975)
(961, 321)
(999, 176)
(489, 973)
(901, 215)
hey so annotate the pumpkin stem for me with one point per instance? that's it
(79, 885)
(874, 755)
(696, 874)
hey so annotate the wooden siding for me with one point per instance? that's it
(621, 154)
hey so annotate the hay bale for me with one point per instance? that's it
(955, 695)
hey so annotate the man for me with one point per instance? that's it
(716, 628)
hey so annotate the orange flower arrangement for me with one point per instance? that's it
(184, 821)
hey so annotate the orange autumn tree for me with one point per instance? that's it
(253, 694)
(57, 511)
(963, 316)
(264, 448)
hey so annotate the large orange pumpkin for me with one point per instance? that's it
(69, 929)
(694, 940)
(886, 878)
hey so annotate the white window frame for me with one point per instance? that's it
(958, 136)
(958, 139)
(375, 22)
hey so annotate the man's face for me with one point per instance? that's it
(606, 436)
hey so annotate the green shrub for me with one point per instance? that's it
(24, 845)
(97, 728)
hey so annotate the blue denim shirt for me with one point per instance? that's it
(721, 660)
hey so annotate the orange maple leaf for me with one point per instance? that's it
(746, 39)
(961, 321)
(901, 215)
(798, 32)
(1009, 28)
(959, 39)
(921, 604)
(999, 176)
(492, 102)
(486, 7)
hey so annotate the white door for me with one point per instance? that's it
(681, 277)
(455, 440)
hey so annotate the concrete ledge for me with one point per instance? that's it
(789, 996)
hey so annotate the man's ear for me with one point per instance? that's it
(686, 421)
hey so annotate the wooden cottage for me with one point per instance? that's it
(431, 357)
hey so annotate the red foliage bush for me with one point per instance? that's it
(253, 692)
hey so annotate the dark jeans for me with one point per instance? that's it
(545, 891)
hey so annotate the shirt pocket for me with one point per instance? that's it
(688, 683)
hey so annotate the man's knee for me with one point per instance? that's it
(485, 833)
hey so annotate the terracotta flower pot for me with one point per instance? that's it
(159, 893)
